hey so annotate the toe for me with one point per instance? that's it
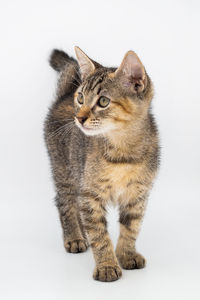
(107, 273)
(76, 246)
(132, 261)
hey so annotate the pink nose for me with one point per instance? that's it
(82, 119)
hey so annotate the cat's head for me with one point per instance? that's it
(110, 99)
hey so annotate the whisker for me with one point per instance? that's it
(62, 120)
(59, 130)
(66, 132)
(70, 82)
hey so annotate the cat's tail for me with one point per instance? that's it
(58, 60)
(69, 78)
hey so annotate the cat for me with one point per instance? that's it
(104, 147)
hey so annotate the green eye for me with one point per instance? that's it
(103, 101)
(80, 98)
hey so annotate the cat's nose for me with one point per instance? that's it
(82, 119)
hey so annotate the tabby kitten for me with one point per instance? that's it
(103, 145)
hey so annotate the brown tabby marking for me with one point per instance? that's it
(102, 154)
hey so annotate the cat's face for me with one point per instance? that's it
(110, 99)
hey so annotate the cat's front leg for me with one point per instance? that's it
(93, 215)
(131, 215)
(74, 236)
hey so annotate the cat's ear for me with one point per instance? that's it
(86, 65)
(131, 72)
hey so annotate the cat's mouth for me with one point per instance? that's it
(90, 130)
(85, 128)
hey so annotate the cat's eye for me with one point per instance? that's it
(103, 101)
(80, 98)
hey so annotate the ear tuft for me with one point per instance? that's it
(86, 65)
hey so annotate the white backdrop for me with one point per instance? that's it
(165, 35)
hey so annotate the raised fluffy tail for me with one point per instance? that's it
(58, 59)
(69, 74)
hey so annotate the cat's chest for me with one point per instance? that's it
(117, 180)
(118, 174)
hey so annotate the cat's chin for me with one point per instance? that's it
(91, 131)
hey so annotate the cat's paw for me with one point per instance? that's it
(107, 273)
(131, 260)
(76, 246)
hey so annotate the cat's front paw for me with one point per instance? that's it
(131, 260)
(107, 273)
(76, 246)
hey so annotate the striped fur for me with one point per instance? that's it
(118, 165)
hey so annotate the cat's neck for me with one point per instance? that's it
(128, 144)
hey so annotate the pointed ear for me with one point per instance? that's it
(131, 72)
(85, 63)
